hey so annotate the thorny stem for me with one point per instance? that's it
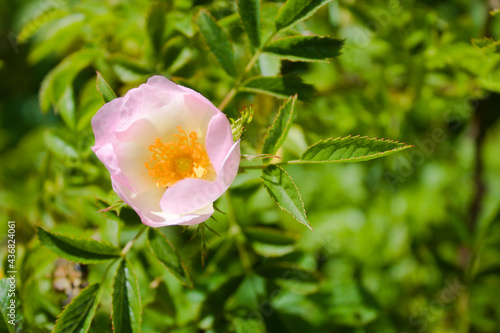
(263, 166)
(232, 93)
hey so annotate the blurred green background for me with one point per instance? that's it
(407, 243)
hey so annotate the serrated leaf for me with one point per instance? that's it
(486, 43)
(249, 11)
(126, 315)
(350, 149)
(278, 131)
(104, 89)
(217, 41)
(279, 86)
(306, 48)
(167, 255)
(80, 250)
(155, 24)
(284, 191)
(294, 11)
(77, 316)
(56, 36)
(43, 16)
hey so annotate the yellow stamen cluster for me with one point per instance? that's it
(183, 157)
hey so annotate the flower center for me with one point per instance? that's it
(183, 157)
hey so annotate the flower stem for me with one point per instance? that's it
(263, 166)
(229, 97)
(131, 242)
(232, 93)
(125, 249)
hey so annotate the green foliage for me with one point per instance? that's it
(127, 311)
(294, 11)
(306, 48)
(166, 254)
(279, 86)
(217, 41)
(350, 149)
(249, 11)
(81, 250)
(282, 189)
(269, 242)
(66, 107)
(104, 89)
(59, 147)
(155, 25)
(278, 131)
(58, 82)
(408, 242)
(77, 316)
(485, 43)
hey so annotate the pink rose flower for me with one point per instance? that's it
(169, 151)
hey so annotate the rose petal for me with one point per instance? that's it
(191, 194)
(106, 154)
(219, 139)
(142, 132)
(146, 206)
(193, 218)
(131, 160)
(105, 120)
(167, 106)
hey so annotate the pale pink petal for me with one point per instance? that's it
(191, 194)
(219, 139)
(146, 206)
(164, 84)
(167, 106)
(131, 159)
(105, 121)
(147, 201)
(142, 132)
(106, 154)
(196, 217)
